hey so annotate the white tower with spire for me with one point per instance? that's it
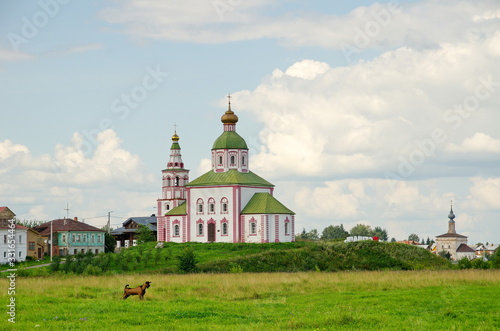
(174, 180)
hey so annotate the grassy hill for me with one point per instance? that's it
(233, 258)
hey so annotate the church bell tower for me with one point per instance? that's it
(174, 180)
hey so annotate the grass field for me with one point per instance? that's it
(378, 300)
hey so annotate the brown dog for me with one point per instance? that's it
(139, 290)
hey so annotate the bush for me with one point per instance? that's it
(464, 263)
(187, 260)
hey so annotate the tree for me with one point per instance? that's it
(145, 234)
(187, 260)
(382, 234)
(413, 237)
(311, 235)
(334, 232)
(361, 230)
(109, 243)
(445, 254)
(393, 240)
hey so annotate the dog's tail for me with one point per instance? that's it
(126, 286)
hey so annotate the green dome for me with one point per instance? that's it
(230, 140)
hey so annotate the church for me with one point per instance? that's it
(228, 204)
(453, 243)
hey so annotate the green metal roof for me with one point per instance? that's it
(175, 145)
(179, 210)
(230, 139)
(231, 177)
(265, 203)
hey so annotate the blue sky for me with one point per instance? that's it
(359, 112)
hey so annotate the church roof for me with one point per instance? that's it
(451, 235)
(463, 248)
(230, 177)
(179, 210)
(265, 203)
(230, 139)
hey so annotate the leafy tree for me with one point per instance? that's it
(334, 232)
(413, 237)
(382, 234)
(28, 223)
(393, 240)
(109, 243)
(464, 263)
(145, 234)
(361, 230)
(445, 254)
(187, 260)
(311, 235)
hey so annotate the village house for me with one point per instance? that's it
(70, 237)
(126, 235)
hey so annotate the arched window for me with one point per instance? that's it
(287, 229)
(220, 159)
(199, 206)
(243, 160)
(224, 229)
(176, 230)
(176, 181)
(200, 229)
(232, 159)
(211, 205)
(253, 228)
(224, 206)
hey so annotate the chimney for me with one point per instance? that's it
(76, 219)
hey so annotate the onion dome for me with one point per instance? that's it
(175, 137)
(229, 117)
(451, 216)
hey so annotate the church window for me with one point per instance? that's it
(176, 181)
(199, 206)
(200, 229)
(286, 228)
(224, 229)
(211, 205)
(243, 160)
(176, 230)
(232, 159)
(167, 206)
(253, 228)
(223, 206)
(220, 159)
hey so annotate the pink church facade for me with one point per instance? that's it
(228, 204)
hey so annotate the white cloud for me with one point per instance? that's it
(418, 24)
(485, 194)
(11, 55)
(92, 178)
(479, 142)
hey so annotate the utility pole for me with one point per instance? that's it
(109, 222)
(67, 210)
(51, 241)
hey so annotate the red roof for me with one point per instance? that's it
(65, 224)
(463, 248)
(17, 227)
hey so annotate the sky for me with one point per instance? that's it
(379, 113)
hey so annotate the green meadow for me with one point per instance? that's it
(350, 300)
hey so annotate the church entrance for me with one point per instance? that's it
(211, 232)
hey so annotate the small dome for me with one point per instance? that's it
(451, 216)
(175, 137)
(229, 117)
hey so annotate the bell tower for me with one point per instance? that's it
(174, 180)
